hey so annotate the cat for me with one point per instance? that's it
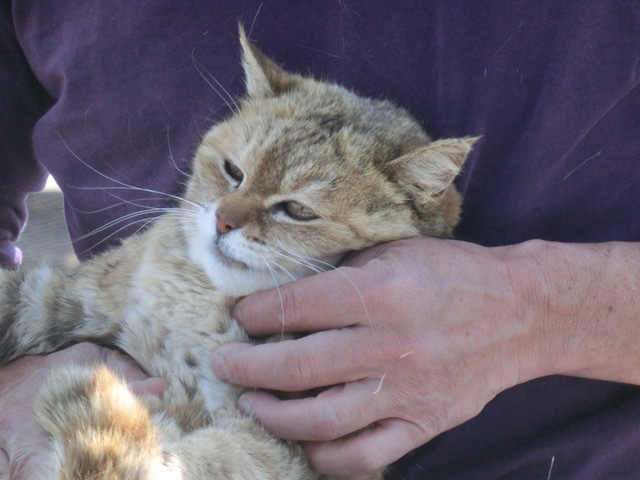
(302, 173)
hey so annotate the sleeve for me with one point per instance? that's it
(22, 102)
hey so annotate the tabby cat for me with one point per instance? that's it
(302, 173)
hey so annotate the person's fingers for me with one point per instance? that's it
(360, 258)
(337, 412)
(317, 360)
(366, 451)
(90, 354)
(123, 366)
(25, 448)
(120, 364)
(328, 300)
(4, 465)
(151, 386)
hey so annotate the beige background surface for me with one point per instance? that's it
(45, 238)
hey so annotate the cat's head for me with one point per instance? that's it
(306, 171)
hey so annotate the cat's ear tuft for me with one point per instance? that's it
(427, 172)
(263, 77)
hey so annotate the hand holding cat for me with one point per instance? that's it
(447, 326)
(24, 446)
(413, 337)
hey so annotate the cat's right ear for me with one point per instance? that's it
(428, 172)
(262, 76)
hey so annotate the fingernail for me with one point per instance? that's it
(245, 405)
(219, 366)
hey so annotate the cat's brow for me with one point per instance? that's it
(314, 192)
(313, 195)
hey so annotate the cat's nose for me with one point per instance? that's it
(223, 225)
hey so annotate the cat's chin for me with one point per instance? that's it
(237, 281)
(229, 276)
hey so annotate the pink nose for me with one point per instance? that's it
(223, 225)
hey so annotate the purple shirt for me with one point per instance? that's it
(553, 87)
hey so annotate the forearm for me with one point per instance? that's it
(584, 302)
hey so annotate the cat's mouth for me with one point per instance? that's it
(219, 251)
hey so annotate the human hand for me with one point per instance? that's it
(24, 446)
(412, 338)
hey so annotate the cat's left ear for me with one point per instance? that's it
(262, 76)
(427, 172)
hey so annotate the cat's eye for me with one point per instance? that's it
(234, 172)
(298, 211)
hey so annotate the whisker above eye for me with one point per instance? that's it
(229, 100)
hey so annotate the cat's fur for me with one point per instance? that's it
(363, 168)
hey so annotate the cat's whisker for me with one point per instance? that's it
(302, 263)
(277, 286)
(148, 190)
(341, 272)
(134, 201)
(286, 257)
(119, 204)
(118, 182)
(143, 221)
(129, 216)
(300, 260)
(255, 17)
(285, 271)
(187, 231)
(113, 223)
(229, 100)
(185, 235)
(172, 160)
(112, 234)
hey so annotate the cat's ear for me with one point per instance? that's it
(427, 172)
(262, 76)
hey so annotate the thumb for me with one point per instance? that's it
(151, 386)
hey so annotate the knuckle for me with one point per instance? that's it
(432, 422)
(326, 425)
(292, 303)
(365, 461)
(303, 371)
(390, 286)
(235, 369)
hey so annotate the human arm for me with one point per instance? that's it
(24, 446)
(22, 102)
(449, 326)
